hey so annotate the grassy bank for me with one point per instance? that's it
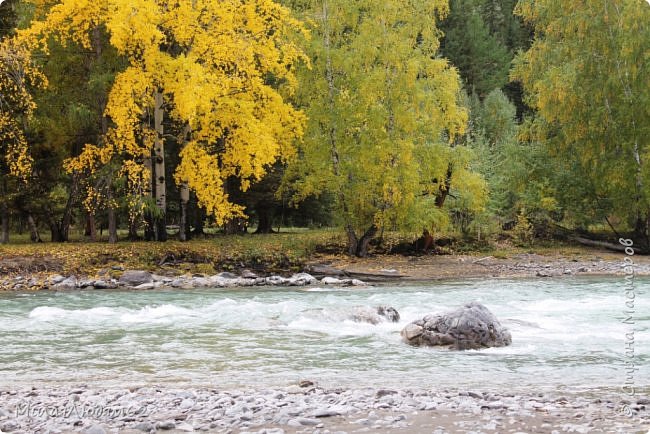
(273, 252)
(286, 251)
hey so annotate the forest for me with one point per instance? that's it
(156, 119)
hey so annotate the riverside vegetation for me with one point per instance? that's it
(469, 115)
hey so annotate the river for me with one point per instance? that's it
(568, 334)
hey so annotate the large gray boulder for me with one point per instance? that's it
(470, 327)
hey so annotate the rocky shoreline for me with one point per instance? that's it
(312, 409)
(144, 280)
(342, 272)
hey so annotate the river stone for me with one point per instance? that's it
(187, 403)
(85, 283)
(301, 279)
(9, 426)
(69, 283)
(227, 275)
(412, 331)
(248, 274)
(95, 429)
(177, 283)
(334, 281)
(472, 326)
(57, 278)
(375, 315)
(185, 427)
(276, 280)
(135, 278)
(145, 426)
(166, 425)
(100, 284)
(388, 312)
(325, 412)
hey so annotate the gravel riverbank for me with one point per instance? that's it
(311, 409)
(344, 271)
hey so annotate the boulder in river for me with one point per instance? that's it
(375, 315)
(469, 327)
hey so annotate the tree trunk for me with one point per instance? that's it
(199, 221)
(264, 220)
(103, 121)
(133, 230)
(91, 227)
(33, 229)
(605, 245)
(353, 241)
(185, 198)
(4, 217)
(236, 226)
(641, 231)
(112, 219)
(55, 230)
(148, 193)
(160, 228)
(61, 229)
(364, 242)
(359, 246)
(443, 191)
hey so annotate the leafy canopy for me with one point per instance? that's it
(213, 61)
(587, 76)
(383, 113)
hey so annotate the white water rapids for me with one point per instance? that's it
(567, 334)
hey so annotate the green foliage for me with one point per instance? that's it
(391, 143)
(383, 113)
(586, 75)
(481, 57)
(520, 175)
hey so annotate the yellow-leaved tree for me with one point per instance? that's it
(17, 74)
(384, 112)
(214, 70)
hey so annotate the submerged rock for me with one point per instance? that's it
(389, 312)
(472, 326)
(375, 315)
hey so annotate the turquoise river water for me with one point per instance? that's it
(567, 334)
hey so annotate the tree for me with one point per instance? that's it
(205, 66)
(383, 115)
(17, 75)
(586, 77)
(482, 59)
(481, 40)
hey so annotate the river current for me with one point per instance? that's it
(568, 334)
